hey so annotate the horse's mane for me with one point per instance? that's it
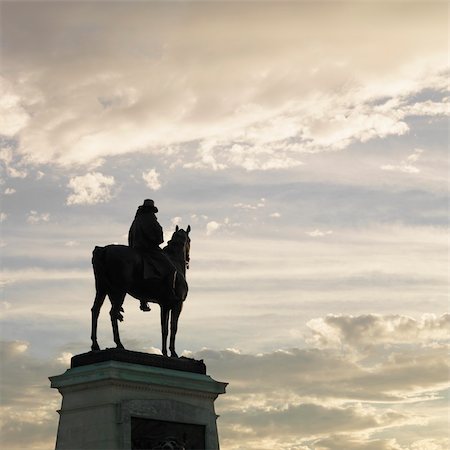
(173, 243)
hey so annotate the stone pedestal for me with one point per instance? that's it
(117, 399)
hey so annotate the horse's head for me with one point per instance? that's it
(181, 238)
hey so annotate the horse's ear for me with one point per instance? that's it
(177, 228)
(188, 229)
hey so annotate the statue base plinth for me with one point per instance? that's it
(122, 400)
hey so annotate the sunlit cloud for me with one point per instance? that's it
(151, 179)
(212, 227)
(270, 112)
(176, 221)
(372, 329)
(90, 189)
(14, 115)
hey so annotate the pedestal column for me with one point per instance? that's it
(122, 400)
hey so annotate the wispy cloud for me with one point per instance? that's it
(407, 165)
(260, 204)
(37, 274)
(318, 233)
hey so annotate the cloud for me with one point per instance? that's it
(25, 382)
(407, 165)
(287, 398)
(372, 329)
(291, 396)
(318, 233)
(14, 115)
(34, 217)
(212, 227)
(65, 358)
(292, 376)
(260, 204)
(41, 275)
(176, 221)
(16, 173)
(72, 244)
(151, 178)
(8, 160)
(90, 189)
(312, 420)
(3, 216)
(9, 191)
(349, 442)
(263, 107)
(429, 108)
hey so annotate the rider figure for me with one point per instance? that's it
(145, 235)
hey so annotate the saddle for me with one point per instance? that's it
(155, 265)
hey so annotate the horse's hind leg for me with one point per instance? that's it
(117, 299)
(95, 312)
(164, 328)
(174, 315)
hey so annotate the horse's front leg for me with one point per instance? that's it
(164, 328)
(175, 314)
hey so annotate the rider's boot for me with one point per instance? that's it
(144, 306)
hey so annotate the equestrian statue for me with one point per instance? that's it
(146, 272)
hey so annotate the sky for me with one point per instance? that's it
(306, 143)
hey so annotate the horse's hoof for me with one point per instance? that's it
(95, 347)
(120, 347)
(173, 355)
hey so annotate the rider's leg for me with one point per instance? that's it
(144, 306)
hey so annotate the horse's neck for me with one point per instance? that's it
(177, 258)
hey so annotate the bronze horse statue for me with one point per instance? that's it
(118, 270)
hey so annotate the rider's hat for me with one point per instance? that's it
(150, 204)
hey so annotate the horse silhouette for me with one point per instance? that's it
(118, 271)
